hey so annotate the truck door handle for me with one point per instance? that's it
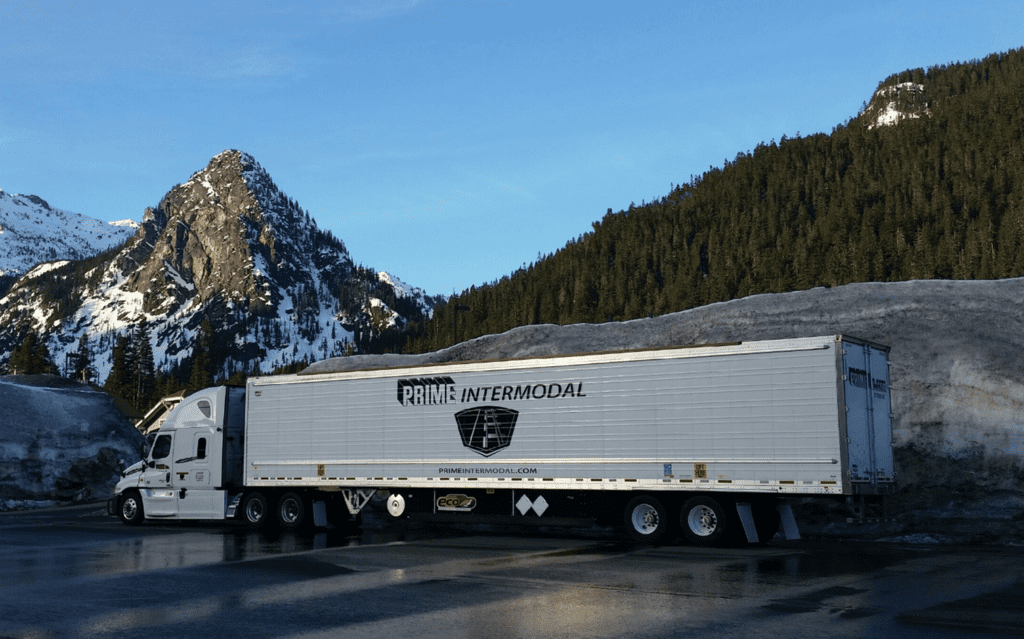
(168, 479)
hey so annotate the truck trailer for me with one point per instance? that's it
(710, 442)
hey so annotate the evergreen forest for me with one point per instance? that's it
(940, 194)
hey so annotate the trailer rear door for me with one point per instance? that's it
(868, 416)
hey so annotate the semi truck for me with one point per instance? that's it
(708, 442)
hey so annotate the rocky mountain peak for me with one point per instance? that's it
(895, 102)
(227, 232)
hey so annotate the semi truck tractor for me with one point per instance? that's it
(708, 442)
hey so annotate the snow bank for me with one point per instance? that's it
(60, 441)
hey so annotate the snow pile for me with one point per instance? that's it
(958, 386)
(60, 441)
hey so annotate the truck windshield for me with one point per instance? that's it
(161, 447)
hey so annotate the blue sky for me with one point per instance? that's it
(448, 143)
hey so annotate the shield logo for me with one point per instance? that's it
(486, 429)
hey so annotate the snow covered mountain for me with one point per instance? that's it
(895, 102)
(32, 231)
(229, 248)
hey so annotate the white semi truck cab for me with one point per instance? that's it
(194, 466)
(707, 441)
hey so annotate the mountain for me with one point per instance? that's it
(927, 182)
(32, 231)
(226, 266)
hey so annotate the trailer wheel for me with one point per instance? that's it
(254, 510)
(703, 521)
(291, 511)
(131, 511)
(646, 520)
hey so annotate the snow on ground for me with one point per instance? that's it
(957, 381)
(46, 267)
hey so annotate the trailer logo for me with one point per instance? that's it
(421, 391)
(486, 429)
(432, 391)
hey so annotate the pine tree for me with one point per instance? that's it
(202, 376)
(83, 369)
(42, 361)
(143, 375)
(32, 357)
(118, 380)
(21, 358)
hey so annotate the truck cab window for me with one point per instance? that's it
(162, 447)
(201, 448)
(205, 408)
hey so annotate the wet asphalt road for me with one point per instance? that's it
(76, 573)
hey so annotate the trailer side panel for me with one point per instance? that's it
(758, 417)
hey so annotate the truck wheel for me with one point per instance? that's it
(291, 511)
(254, 510)
(131, 511)
(646, 520)
(703, 521)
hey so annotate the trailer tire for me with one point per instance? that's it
(703, 521)
(291, 511)
(646, 520)
(254, 510)
(130, 508)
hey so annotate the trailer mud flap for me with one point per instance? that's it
(319, 513)
(747, 519)
(789, 528)
(746, 514)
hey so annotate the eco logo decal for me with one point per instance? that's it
(456, 503)
(486, 429)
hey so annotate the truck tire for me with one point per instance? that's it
(254, 510)
(130, 508)
(703, 521)
(291, 511)
(646, 520)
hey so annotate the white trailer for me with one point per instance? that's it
(709, 441)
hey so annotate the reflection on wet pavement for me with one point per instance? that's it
(67, 574)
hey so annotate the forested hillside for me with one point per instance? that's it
(936, 194)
